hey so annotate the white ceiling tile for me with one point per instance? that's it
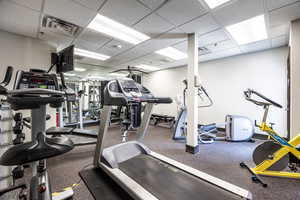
(127, 12)
(152, 59)
(284, 15)
(91, 4)
(33, 4)
(280, 41)
(93, 37)
(111, 48)
(69, 11)
(239, 11)
(109, 51)
(220, 46)
(182, 46)
(180, 11)
(158, 43)
(114, 43)
(93, 62)
(212, 37)
(279, 30)
(82, 44)
(201, 25)
(18, 19)
(152, 4)
(274, 4)
(153, 25)
(56, 40)
(130, 55)
(256, 46)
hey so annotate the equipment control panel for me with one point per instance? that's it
(35, 79)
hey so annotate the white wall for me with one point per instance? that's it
(225, 81)
(295, 81)
(24, 53)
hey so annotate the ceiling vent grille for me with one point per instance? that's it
(56, 25)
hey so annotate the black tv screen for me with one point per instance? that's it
(65, 62)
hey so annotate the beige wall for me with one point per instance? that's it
(24, 53)
(225, 80)
(295, 80)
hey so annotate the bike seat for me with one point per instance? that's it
(39, 149)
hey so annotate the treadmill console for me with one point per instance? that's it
(35, 79)
(129, 88)
(122, 92)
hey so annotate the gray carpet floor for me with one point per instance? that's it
(220, 159)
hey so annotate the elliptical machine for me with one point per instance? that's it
(34, 90)
(237, 128)
(204, 131)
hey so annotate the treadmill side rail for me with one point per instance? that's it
(132, 187)
(204, 176)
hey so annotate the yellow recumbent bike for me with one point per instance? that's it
(275, 155)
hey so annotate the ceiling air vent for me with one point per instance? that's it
(56, 25)
(203, 51)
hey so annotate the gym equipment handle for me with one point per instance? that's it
(249, 92)
(160, 100)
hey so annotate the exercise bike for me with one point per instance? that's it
(34, 90)
(273, 156)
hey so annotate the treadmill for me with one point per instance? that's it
(145, 174)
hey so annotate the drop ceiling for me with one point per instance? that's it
(165, 21)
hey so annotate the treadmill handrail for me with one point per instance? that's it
(38, 91)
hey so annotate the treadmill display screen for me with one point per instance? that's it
(129, 86)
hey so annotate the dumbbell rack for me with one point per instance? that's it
(9, 175)
(6, 138)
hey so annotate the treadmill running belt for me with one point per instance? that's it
(167, 182)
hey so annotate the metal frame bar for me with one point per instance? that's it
(128, 184)
(105, 119)
(141, 132)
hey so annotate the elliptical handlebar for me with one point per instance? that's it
(208, 97)
(248, 94)
(200, 90)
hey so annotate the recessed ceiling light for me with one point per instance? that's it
(95, 77)
(147, 67)
(118, 74)
(79, 69)
(215, 3)
(90, 54)
(69, 74)
(173, 53)
(248, 31)
(114, 29)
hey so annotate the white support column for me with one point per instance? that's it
(294, 78)
(192, 145)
